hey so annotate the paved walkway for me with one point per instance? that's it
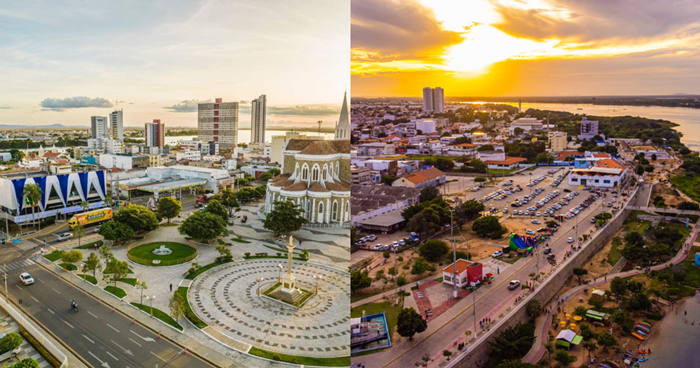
(9, 325)
(543, 322)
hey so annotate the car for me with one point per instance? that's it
(402, 242)
(529, 232)
(497, 254)
(505, 210)
(371, 237)
(570, 240)
(513, 284)
(547, 250)
(97, 229)
(536, 222)
(538, 214)
(65, 236)
(378, 246)
(395, 245)
(526, 213)
(26, 278)
(593, 221)
(550, 257)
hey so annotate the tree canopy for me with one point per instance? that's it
(138, 218)
(116, 231)
(169, 207)
(489, 226)
(203, 225)
(285, 218)
(434, 250)
(409, 323)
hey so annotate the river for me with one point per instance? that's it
(688, 119)
(674, 340)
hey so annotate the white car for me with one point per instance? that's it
(536, 222)
(65, 236)
(26, 278)
(570, 240)
(529, 232)
(378, 246)
(538, 214)
(497, 254)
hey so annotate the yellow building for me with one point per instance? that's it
(557, 141)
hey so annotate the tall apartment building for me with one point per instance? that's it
(218, 122)
(433, 99)
(155, 134)
(557, 141)
(116, 119)
(257, 121)
(589, 128)
(99, 127)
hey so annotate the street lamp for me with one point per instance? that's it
(279, 274)
(151, 299)
(317, 278)
(473, 290)
(259, 281)
(454, 255)
(396, 277)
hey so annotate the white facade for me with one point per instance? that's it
(218, 122)
(526, 124)
(109, 161)
(257, 121)
(189, 155)
(426, 126)
(589, 128)
(279, 143)
(116, 119)
(99, 127)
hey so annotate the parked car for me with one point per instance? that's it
(593, 220)
(529, 232)
(65, 236)
(513, 284)
(536, 222)
(378, 246)
(26, 278)
(570, 240)
(547, 250)
(497, 254)
(550, 257)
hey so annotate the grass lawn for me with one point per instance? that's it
(189, 313)
(327, 362)
(120, 293)
(390, 310)
(68, 266)
(108, 270)
(279, 250)
(202, 269)
(130, 281)
(53, 256)
(692, 272)
(93, 245)
(281, 257)
(159, 314)
(91, 279)
(143, 254)
(615, 253)
(690, 185)
(500, 171)
(510, 260)
(632, 224)
(356, 298)
(240, 240)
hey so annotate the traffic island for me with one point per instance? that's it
(162, 254)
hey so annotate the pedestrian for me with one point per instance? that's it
(171, 288)
(686, 313)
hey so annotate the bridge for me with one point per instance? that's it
(664, 210)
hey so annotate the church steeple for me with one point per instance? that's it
(342, 128)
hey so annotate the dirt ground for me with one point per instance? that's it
(625, 342)
(671, 199)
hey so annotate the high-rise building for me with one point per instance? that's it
(433, 100)
(155, 134)
(257, 121)
(99, 127)
(589, 128)
(342, 128)
(116, 119)
(218, 122)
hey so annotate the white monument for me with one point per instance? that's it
(288, 280)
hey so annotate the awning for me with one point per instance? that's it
(599, 318)
(563, 343)
(577, 340)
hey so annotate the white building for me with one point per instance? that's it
(107, 145)
(589, 171)
(496, 155)
(116, 119)
(279, 143)
(99, 127)
(376, 149)
(155, 134)
(122, 161)
(433, 100)
(557, 141)
(189, 155)
(257, 121)
(526, 124)
(426, 126)
(589, 128)
(218, 122)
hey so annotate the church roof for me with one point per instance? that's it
(321, 147)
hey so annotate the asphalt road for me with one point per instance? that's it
(102, 337)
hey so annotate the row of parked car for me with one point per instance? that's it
(557, 181)
(365, 239)
(536, 181)
(526, 198)
(501, 194)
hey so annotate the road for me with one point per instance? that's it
(490, 300)
(99, 335)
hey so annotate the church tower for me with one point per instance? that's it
(342, 129)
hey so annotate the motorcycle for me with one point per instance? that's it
(74, 307)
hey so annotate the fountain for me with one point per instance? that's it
(162, 251)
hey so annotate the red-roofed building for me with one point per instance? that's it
(468, 273)
(421, 179)
(507, 164)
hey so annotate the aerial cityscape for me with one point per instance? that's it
(524, 184)
(352, 183)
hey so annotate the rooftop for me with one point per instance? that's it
(507, 161)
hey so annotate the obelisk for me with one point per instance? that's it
(288, 280)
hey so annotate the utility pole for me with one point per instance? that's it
(454, 255)
(396, 277)
(474, 308)
(7, 292)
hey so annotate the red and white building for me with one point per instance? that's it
(468, 273)
(507, 164)
(604, 173)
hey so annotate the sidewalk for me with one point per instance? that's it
(541, 329)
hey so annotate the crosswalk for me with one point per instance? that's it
(15, 265)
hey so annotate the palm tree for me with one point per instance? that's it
(109, 201)
(34, 194)
(84, 205)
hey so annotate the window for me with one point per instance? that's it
(337, 169)
(320, 208)
(447, 278)
(606, 181)
(335, 211)
(314, 174)
(325, 173)
(305, 173)
(574, 179)
(308, 209)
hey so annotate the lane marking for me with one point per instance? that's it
(110, 326)
(52, 312)
(88, 339)
(108, 353)
(35, 299)
(157, 356)
(132, 340)
(104, 364)
(90, 313)
(55, 290)
(143, 338)
(66, 322)
(40, 281)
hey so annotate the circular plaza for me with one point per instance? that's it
(226, 298)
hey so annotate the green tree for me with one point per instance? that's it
(534, 308)
(563, 357)
(388, 179)
(447, 354)
(116, 231)
(359, 280)
(478, 165)
(177, 306)
(26, 363)
(618, 287)
(580, 272)
(169, 207)
(428, 193)
(228, 198)
(141, 285)
(472, 209)
(216, 208)
(433, 250)
(9, 342)
(203, 225)
(639, 169)
(479, 179)
(485, 147)
(33, 194)
(606, 340)
(488, 226)
(91, 264)
(590, 345)
(649, 168)
(71, 257)
(653, 156)
(138, 218)
(79, 231)
(518, 131)
(420, 266)
(118, 270)
(224, 254)
(685, 205)
(265, 176)
(515, 363)
(409, 323)
(285, 218)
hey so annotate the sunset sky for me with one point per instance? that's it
(525, 48)
(65, 61)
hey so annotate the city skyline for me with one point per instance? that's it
(157, 61)
(524, 48)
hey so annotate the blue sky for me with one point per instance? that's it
(154, 58)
